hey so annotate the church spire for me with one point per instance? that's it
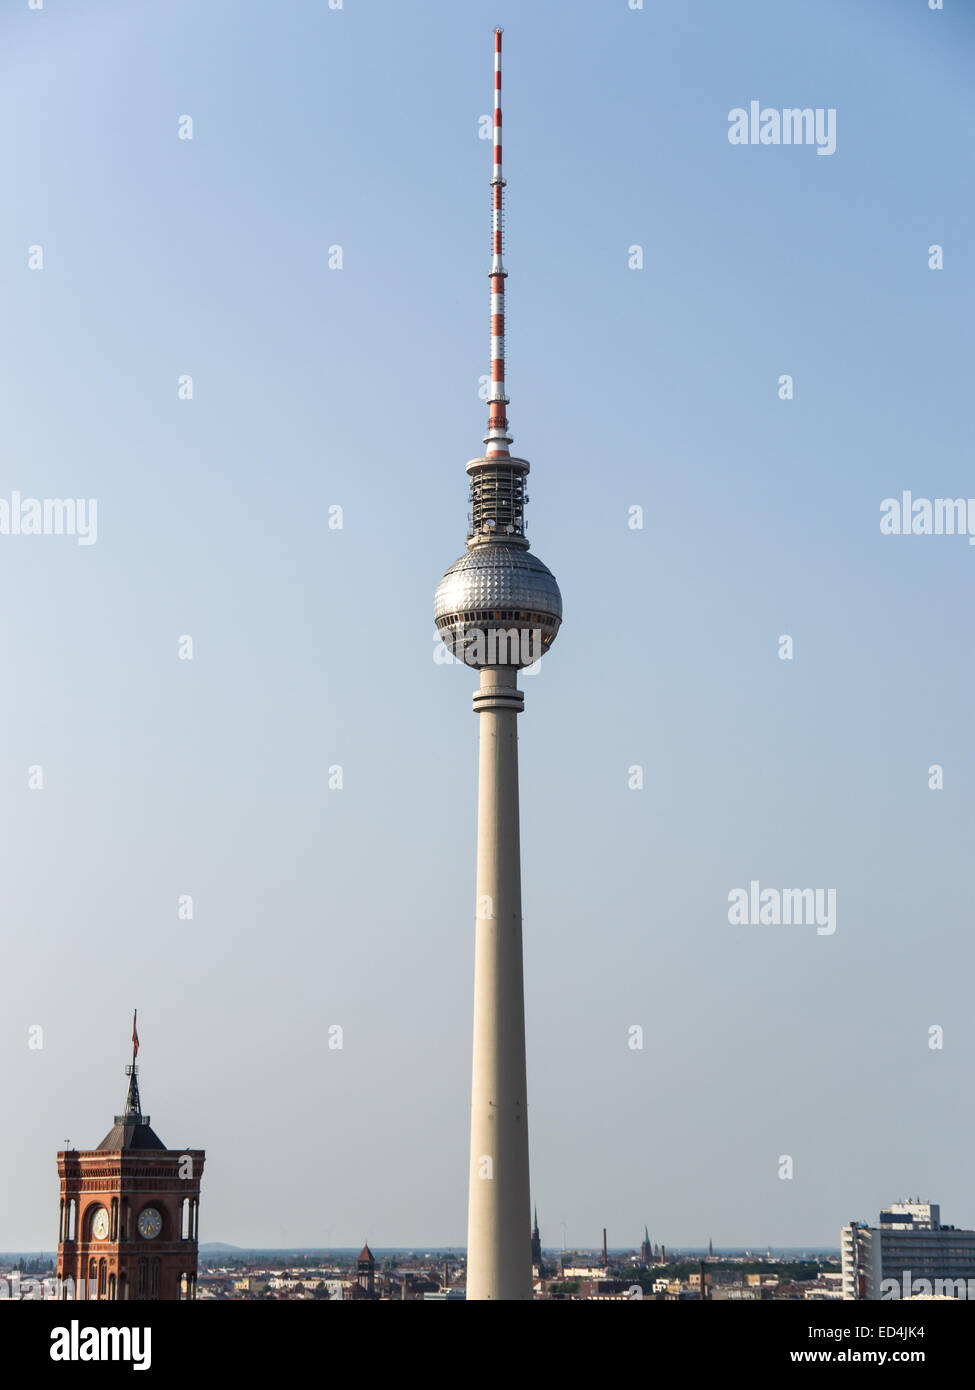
(536, 1245)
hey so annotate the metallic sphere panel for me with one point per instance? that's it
(492, 588)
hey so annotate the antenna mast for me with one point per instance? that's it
(497, 438)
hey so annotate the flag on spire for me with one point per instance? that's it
(135, 1035)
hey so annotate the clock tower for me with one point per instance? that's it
(129, 1211)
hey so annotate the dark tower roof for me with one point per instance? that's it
(131, 1129)
(366, 1254)
(124, 1135)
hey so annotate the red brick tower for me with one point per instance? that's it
(129, 1211)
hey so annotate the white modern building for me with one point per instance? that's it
(908, 1254)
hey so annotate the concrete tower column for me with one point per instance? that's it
(499, 1221)
(498, 581)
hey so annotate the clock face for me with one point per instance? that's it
(150, 1223)
(99, 1224)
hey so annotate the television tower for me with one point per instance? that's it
(498, 609)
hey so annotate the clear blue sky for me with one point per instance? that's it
(314, 647)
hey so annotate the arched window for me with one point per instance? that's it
(113, 1228)
(123, 1287)
(154, 1287)
(143, 1271)
(126, 1214)
(102, 1277)
(91, 1290)
(111, 1288)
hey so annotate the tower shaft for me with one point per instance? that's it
(499, 1230)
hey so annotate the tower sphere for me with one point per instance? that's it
(498, 605)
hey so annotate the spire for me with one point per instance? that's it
(536, 1244)
(133, 1105)
(131, 1129)
(497, 438)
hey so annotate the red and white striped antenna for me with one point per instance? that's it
(497, 438)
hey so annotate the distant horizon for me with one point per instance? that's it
(220, 1247)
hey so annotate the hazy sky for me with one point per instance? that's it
(313, 647)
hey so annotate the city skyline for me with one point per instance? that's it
(290, 778)
(132, 1113)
